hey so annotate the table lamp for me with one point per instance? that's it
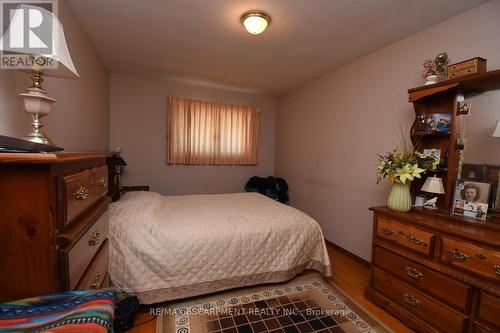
(432, 185)
(496, 131)
(57, 63)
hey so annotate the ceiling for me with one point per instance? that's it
(203, 41)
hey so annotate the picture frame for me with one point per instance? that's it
(496, 204)
(436, 152)
(475, 210)
(471, 198)
(464, 108)
(439, 122)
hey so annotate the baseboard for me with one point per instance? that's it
(348, 253)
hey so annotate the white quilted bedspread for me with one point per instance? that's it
(170, 247)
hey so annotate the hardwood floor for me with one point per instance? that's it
(348, 273)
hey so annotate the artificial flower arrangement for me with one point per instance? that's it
(438, 66)
(401, 167)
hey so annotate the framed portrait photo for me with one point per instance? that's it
(471, 198)
(463, 108)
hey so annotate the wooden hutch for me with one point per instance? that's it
(434, 271)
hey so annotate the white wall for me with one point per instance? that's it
(79, 120)
(138, 126)
(330, 129)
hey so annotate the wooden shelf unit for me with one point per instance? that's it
(442, 97)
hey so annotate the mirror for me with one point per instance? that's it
(480, 157)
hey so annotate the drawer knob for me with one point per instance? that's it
(415, 240)
(414, 273)
(94, 238)
(96, 284)
(81, 193)
(409, 299)
(458, 256)
(387, 231)
(497, 269)
(102, 182)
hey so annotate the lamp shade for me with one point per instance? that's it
(433, 185)
(496, 131)
(59, 50)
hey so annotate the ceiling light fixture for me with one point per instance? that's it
(255, 21)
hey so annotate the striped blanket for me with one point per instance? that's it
(72, 311)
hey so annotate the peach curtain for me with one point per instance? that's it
(201, 132)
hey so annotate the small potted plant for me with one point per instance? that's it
(433, 69)
(402, 167)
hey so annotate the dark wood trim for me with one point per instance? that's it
(348, 253)
(50, 158)
(124, 189)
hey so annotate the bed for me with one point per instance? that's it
(171, 247)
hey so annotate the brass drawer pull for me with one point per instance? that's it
(387, 231)
(81, 193)
(96, 284)
(414, 273)
(102, 182)
(94, 238)
(497, 269)
(409, 299)
(458, 256)
(415, 240)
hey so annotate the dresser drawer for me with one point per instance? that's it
(489, 311)
(96, 275)
(478, 328)
(471, 257)
(440, 286)
(82, 189)
(81, 254)
(418, 303)
(405, 235)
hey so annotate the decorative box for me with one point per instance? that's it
(468, 67)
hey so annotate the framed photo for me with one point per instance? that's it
(434, 152)
(463, 108)
(476, 210)
(471, 198)
(496, 207)
(440, 122)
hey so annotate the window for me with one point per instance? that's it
(201, 132)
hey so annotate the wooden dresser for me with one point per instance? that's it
(53, 223)
(436, 272)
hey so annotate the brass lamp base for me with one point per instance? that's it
(37, 105)
(36, 135)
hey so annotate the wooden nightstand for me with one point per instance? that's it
(54, 223)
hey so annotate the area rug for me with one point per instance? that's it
(305, 304)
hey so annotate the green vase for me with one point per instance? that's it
(400, 198)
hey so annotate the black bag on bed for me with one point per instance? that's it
(273, 187)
